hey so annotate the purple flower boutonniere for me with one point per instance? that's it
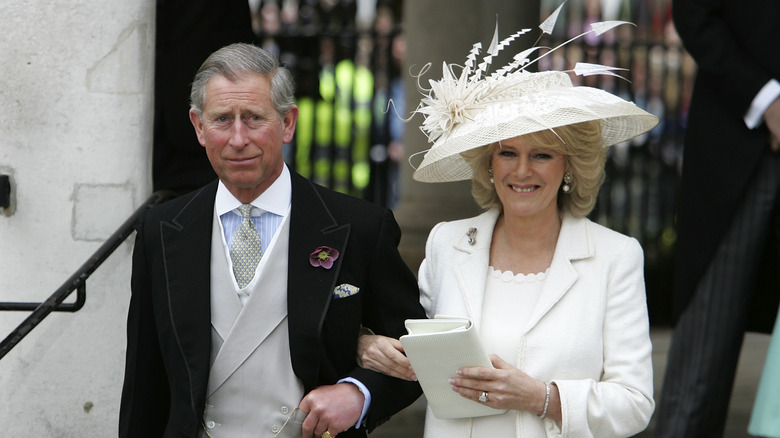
(323, 256)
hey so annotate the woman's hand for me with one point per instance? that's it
(384, 355)
(507, 387)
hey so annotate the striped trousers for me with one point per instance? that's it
(707, 339)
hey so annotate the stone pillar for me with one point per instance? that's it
(75, 138)
(437, 31)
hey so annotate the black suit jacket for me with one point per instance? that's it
(737, 50)
(169, 322)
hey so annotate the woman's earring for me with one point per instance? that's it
(567, 180)
(490, 172)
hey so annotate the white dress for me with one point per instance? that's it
(509, 302)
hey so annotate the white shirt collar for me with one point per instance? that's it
(275, 199)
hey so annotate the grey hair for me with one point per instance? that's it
(234, 62)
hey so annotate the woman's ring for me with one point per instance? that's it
(327, 434)
(483, 397)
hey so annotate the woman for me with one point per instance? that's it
(557, 299)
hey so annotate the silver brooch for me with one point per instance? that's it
(472, 235)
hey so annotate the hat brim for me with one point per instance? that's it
(620, 121)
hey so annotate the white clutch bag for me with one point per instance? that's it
(437, 348)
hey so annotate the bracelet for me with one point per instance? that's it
(546, 400)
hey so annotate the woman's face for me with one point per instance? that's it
(527, 178)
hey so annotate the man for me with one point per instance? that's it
(218, 347)
(728, 208)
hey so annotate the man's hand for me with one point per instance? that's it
(332, 408)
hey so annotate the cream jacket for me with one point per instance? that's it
(589, 332)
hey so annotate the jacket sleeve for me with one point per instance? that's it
(144, 404)
(394, 298)
(620, 403)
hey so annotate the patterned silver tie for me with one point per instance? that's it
(246, 249)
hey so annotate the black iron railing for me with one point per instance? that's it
(77, 281)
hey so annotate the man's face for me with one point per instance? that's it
(243, 134)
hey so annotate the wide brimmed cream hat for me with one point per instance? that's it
(476, 109)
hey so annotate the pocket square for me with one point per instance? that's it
(345, 290)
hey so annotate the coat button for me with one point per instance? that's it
(285, 410)
(275, 429)
(210, 424)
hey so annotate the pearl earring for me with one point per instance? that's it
(567, 180)
(490, 172)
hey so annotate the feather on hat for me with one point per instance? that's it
(475, 109)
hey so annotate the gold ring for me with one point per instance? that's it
(327, 434)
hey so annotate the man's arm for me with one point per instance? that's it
(388, 295)
(145, 401)
(394, 298)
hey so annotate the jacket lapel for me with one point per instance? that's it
(474, 262)
(573, 244)
(186, 246)
(309, 289)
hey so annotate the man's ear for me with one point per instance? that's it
(197, 123)
(289, 121)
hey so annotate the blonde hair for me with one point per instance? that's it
(581, 146)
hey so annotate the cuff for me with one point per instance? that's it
(366, 396)
(769, 92)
